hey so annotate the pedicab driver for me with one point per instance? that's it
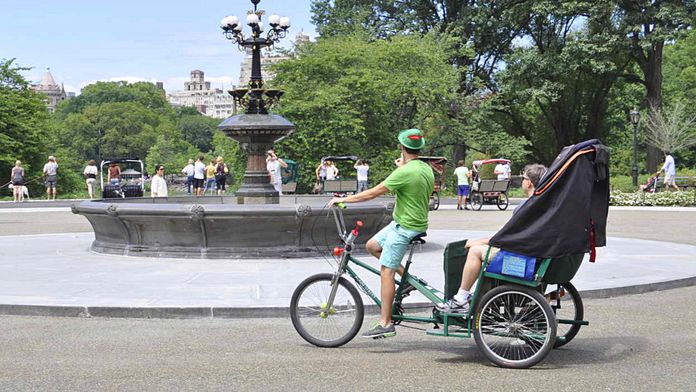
(412, 183)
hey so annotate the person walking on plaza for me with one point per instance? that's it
(670, 170)
(273, 165)
(158, 187)
(361, 167)
(17, 178)
(90, 174)
(463, 175)
(221, 172)
(198, 176)
(210, 177)
(412, 183)
(188, 171)
(50, 171)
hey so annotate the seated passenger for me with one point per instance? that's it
(459, 303)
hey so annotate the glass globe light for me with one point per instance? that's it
(285, 22)
(252, 19)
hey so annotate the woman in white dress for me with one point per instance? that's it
(158, 188)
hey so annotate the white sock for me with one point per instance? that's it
(462, 295)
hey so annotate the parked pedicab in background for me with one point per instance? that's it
(515, 321)
(488, 191)
(289, 176)
(343, 184)
(131, 183)
(438, 166)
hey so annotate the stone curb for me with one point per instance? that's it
(270, 312)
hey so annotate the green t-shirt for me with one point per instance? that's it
(412, 185)
(462, 174)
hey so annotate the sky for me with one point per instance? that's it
(83, 41)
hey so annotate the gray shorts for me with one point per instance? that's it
(51, 181)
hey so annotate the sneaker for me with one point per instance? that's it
(378, 331)
(453, 306)
(459, 208)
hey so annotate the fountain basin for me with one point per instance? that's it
(216, 227)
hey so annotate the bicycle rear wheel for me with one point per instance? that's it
(323, 325)
(567, 305)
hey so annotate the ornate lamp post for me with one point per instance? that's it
(256, 130)
(635, 120)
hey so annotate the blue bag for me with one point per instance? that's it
(513, 264)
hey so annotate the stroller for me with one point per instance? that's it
(651, 185)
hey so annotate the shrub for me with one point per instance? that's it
(684, 199)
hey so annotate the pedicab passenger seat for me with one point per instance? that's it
(564, 218)
(567, 214)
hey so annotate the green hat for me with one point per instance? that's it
(412, 138)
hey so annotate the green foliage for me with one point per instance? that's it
(143, 93)
(23, 125)
(350, 96)
(235, 159)
(198, 130)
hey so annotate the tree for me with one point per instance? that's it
(645, 26)
(23, 124)
(349, 95)
(198, 130)
(146, 94)
(673, 130)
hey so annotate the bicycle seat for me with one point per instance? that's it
(418, 239)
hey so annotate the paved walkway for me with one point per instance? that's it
(56, 274)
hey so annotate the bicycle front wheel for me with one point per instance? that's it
(322, 324)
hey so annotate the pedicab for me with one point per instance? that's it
(438, 166)
(131, 183)
(488, 191)
(513, 317)
(342, 184)
(289, 176)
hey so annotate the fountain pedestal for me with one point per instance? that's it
(256, 134)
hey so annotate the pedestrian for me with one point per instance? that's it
(321, 177)
(198, 176)
(158, 187)
(502, 170)
(90, 174)
(210, 177)
(412, 183)
(273, 165)
(188, 170)
(221, 172)
(113, 176)
(50, 172)
(17, 178)
(331, 171)
(670, 169)
(463, 174)
(361, 167)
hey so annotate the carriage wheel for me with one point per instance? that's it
(514, 326)
(503, 202)
(567, 305)
(434, 201)
(476, 201)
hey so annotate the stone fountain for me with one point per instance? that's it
(256, 222)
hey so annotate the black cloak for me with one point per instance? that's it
(567, 214)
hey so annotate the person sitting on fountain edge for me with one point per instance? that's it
(412, 183)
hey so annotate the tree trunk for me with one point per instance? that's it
(652, 73)
(459, 153)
